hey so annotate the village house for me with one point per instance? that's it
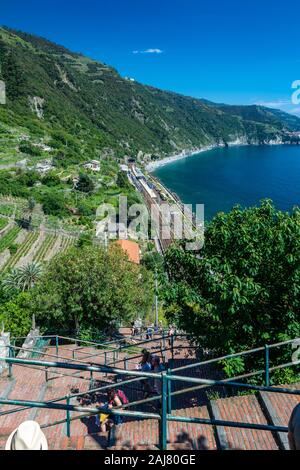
(44, 166)
(93, 165)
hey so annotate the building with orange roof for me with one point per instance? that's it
(131, 248)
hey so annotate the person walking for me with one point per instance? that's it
(157, 367)
(146, 366)
(171, 333)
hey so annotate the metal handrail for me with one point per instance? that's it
(164, 416)
(99, 354)
(166, 378)
(230, 356)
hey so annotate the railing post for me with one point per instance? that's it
(267, 365)
(163, 415)
(125, 363)
(46, 374)
(164, 340)
(169, 393)
(91, 378)
(10, 364)
(68, 418)
(105, 361)
(56, 344)
(172, 346)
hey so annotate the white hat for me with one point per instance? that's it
(28, 436)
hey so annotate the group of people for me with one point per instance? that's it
(117, 398)
(151, 329)
(137, 328)
(150, 363)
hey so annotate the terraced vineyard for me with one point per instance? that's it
(45, 248)
(22, 251)
(35, 250)
(3, 223)
(8, 239)
(66, 243)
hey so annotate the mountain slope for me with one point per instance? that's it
(84, 108)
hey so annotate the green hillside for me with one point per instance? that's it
(83, 109)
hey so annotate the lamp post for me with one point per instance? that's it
(156, 300)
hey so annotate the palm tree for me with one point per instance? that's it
(29, 275)
(11, 282)
(23, 278)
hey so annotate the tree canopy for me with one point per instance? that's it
(242, 289)
(15, 315)
(91, 286)
(85, 183)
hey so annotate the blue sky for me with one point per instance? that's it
(234, 51)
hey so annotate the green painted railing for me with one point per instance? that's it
(265, 350)
(165, 414)
(112, 354)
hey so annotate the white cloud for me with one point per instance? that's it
(273, 104)
(148, 51)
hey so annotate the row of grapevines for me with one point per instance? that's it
(47, 245)
(7, 240)
(66, 243)
(3, 222)
(22, 251)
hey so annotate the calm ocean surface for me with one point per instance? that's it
(223, 177)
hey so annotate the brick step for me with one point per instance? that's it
(245, 409)
(145, 433)
(278, 408)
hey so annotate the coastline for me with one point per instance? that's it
(152, 166)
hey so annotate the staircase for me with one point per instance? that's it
(262, 408)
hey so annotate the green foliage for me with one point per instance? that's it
(285, 376)
(85, 183)
(90, 286)
(122, 180)
(16, 316)
(84, 240)
(233, 366)
(22, 279)
(153, 261)
(13, 249)
(51, 180)
(54, 204)
(29, 149)
(3, 223)
(8, 239)
(91, 333)
(243, 291)
(11, 73)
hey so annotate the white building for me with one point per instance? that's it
(124, 168)
(44, 166)
(93, 165)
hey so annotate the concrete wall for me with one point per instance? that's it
(4, 350)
